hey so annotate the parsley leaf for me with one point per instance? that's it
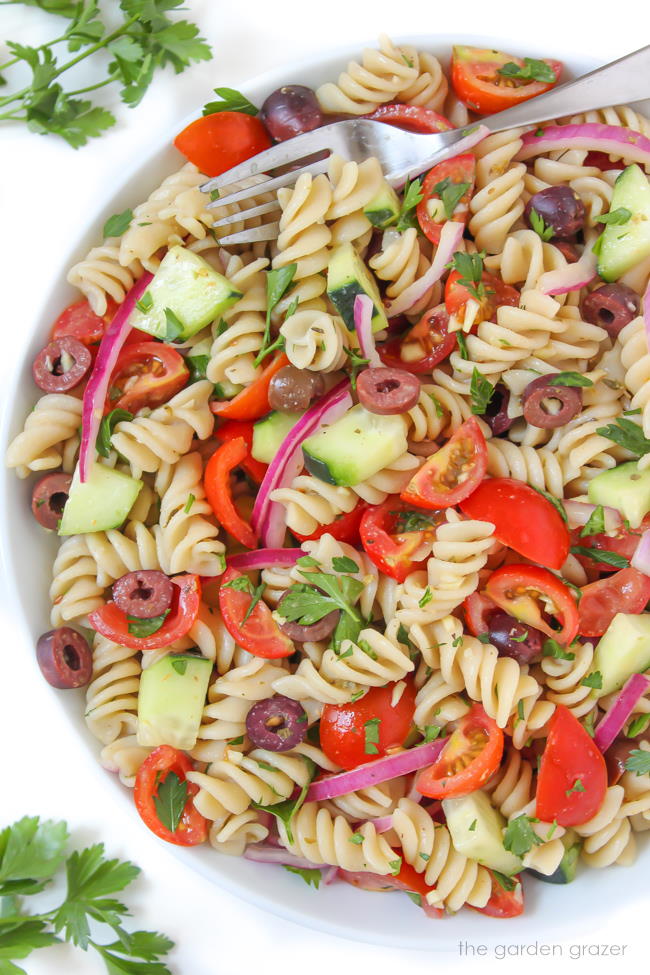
(371, 732)
(569, 379)
(285, 811)
(197, 366)
(170, 800)
(595, 524)
(601, 555)
(413, 521)
(481, 392)
(311, 877)
(341, 563)
(638, 762)
(470, 268)
(576, 787)
(116, 225)
(188, 504)
(31, 851)
(231, 100)
(106, 427)
(543, 230)
(508, 883)
(145, 303)
(639, 724)
(451, 194)
(431, 732)
(278, 283)
(531, 70)
(426, 598)
(412, 194)
(552, 648)
(173, 326)
(139, 627)
(617, 217)
(520, 837)
(626, 433)
(357, 363)
(462, 346)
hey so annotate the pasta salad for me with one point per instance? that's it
(354, 520)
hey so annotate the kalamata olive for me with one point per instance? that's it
(496, 415)
(387, 391)
(277, 723)
(143, 594)
(291, 390)
(423, 448)
(61, 365)
(316, 631)
(612, 306)
(514, 639)
(291, 110)
(64, 658)
(568, 249)
(49, 497)
(560, 207)
(547, 406)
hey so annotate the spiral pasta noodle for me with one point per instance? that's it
(304, 239)
(635, 359)
(233, 352)
(497, 204)
(401, 262)
(354, 185)
(380, 77)
(608, 836)
(100, 275)
(315, 340)
(49, 438)
(430, 88)
(320, 837)
(74, 591)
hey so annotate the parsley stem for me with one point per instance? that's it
(13, 117)
(100, 84)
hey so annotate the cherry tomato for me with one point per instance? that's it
(478, 609)
(146, 374)
(112, 623)
(535, 596)
(423, 346)
(453, 472)
(492, 294)
(80, 322)
(467, 761)
(392, 532)
(523, 519)
(477, 80)
(216, 481)
(407, 879)
(623, 542)
(461, 169)
(260, 634)
(572, 779)
(342, 731)
(220, 141)
(192, 828)
(601, 161)
(252, 402)
(502, 902)
(344, 528)
(413, 118)
(627, 591)
(232, 430)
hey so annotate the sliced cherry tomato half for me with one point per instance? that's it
(342, 726)
(467, 761)
(523, 519)
(253, 402)
(423, 346)
(216, 481)
(259, 634)
(407, 879)
(392, 532)
(477, 78)
(438, 183)
(413, 118)
(627, 591)
(623, 541)
(453, 472)
(344, 528)
(220, 141)
(492, 294)
(146, 374)
(80, 322)
(572, 779)
(535, 596)
(478, 609)
(192, 828)
(112, 623)
(502, 902)
(231, 430)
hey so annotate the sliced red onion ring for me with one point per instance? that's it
(330, 875)
(97, 388)
(262, 558)
(383, 824)
(268, 516)
(363, 308)
(646, 314)
(265, 853)
(579, 513)
(450, 238)
(372, 773)
(572, 277)
(614, 719)
(612, 139)
(641, 558)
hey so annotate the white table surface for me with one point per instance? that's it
(46, 189)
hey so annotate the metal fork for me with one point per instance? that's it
(405, 154)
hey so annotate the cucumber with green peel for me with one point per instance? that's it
(347, 277)
(625, 488)
(102, 502)
(171, 699)
(383, 210)
(623, 245)
(476, 829)
(623, 650)
(269, 432)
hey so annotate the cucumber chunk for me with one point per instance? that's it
(566, 872)
(347, 277)
(171, 699)
(191, 289)
(623, 650)
(625, 488)
(269, 432)
(103, 501)
(355, 447)
(476, 829)
(624, 245)
(383, 209)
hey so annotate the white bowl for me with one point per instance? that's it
(27, 555)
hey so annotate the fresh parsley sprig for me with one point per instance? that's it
(481, 392)
(520, 837)
(412, 195)
(638, 762)
(278, 283)
(470, 268)
(531, 70)
(542, 229)
(450, 194)
(230, 100)
(601, 555)
(616, 217)
(626, 433)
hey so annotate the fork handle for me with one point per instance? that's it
(620, 82)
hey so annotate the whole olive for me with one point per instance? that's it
(612, 306)
(290, 111)
(49, 497)
(278, 723)
(65, 658)
(549, 406)
(560, 208)
(514, 639)
(496, 414)
(387, 392)
(291, 390)
(144, 594)
(61, 365)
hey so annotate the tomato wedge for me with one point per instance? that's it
(259, 634)
(392, 532)
(192, 828)
(469, 758)
(493, 293)
(627, 591)
(523, 519)
(146, 374)
(216, 481)
(478, 609)
(413, 118)
(453, 472)
(220, 141)
(344, 528)
(232, 430)
(535, 596)
(441, 185)
(252, 402)
(423, 346)
(407, 879)
(112, 623)
(572, 779)
(342, 732)
(623, 541)
(478, 79)
(502, 902)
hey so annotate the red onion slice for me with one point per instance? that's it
(646, 315)
(641, 558)
(450, 238)
(612, 139)
(572, 277)
(97, 388)
(614, 719)
(579, 513)
(263, 558)
(363, 308)
(265, 853)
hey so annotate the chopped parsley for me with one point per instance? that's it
(531, 70)
(371, 732)
(481, 392)
(451, 194)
